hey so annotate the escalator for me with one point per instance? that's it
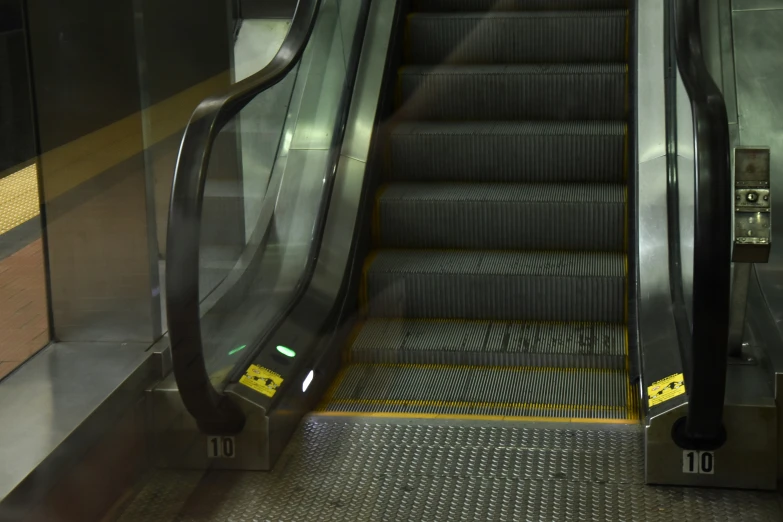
(496, 283)
(466, 334)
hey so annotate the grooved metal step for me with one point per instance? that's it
(471, 390)
(515, 5)
(517, 37)
(513, 92)
(525, 286)
(490, 343)
(511, 216)
(521, 151)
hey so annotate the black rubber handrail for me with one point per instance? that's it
(705, 368)
(212, 410)
(679, 307)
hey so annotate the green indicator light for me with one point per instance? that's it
(237, 349)
(288, 352)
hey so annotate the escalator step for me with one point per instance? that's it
(513, 92)
(517, 37)
(508, 151)
(490, 343)
(525, 286)
(514, 5)
(502, 216)
(544, 392)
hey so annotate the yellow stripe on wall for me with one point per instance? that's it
(72, 164)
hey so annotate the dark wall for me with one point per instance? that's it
(88, 54)
(84, 66)
(185, 43)
(10, 15)
(96, 63)
(267, 8)
(17, 141)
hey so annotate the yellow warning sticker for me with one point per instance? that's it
(261, 380)
(665, 389)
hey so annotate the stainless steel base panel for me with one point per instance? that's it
(370, 468)
(748, 459)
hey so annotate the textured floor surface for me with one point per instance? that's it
(18, 198)
(373, 469)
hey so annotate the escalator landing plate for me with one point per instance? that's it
(354, 468)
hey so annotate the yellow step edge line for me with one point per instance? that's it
(473, 404)
(489, 321)
(446, 416)
(484, 367)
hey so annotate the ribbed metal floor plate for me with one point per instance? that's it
(502, 216)
(490, 343)
(480, 390)
(499, 151)
(354, 469)
(513, 92)
(517, 37)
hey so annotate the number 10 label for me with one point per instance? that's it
(220, 447)
(698, 462)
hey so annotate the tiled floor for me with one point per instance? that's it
(23, 316)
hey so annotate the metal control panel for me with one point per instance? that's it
(752, 205)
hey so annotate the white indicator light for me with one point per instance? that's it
(307, 381)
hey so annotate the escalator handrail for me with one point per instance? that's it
(211, 409)
(705, 369)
